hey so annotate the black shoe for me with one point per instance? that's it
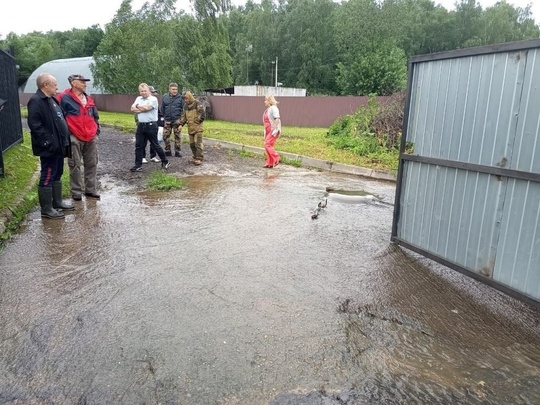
(76, 197)
(168, 153)
(136, 169)
(165, 164)
(93, 195)
(177, 154)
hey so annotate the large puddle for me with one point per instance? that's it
(230, 292)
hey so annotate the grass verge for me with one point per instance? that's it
(19, 167)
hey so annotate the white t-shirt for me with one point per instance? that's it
(147, 116)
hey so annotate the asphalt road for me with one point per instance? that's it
(229, 292)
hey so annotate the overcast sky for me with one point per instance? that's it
(25, 16)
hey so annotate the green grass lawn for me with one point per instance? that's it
(19, 166)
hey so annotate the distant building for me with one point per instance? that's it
(61, 69)
(258, 91)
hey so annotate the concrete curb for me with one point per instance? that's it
(308, 161)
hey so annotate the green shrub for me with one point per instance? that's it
(372, 131)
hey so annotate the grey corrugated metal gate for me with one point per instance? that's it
(468, 195)
(10, 116)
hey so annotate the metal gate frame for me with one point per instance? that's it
(406, 160)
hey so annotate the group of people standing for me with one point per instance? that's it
(177, 111)
(64, 125)
(67, 125)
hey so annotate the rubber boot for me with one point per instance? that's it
(57, 202)
(45, 200)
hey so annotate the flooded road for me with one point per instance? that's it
(228, 292)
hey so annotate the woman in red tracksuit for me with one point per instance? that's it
(272, 130)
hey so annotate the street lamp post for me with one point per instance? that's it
(276, 72)
(248, 50)
(275, 62)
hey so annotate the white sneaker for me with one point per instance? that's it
(144, 160)
(155, 159)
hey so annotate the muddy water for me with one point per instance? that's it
(228, 292)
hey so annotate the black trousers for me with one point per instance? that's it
(52, 169)
(147, 132)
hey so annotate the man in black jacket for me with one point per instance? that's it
(172, 106)
(50, 141)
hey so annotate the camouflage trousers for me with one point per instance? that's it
(196, 145)
(168, 127)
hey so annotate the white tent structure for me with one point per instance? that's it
(61, 69)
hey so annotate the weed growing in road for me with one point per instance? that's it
(242, 153)
(293, 162)
(246, 153)
(160, 181)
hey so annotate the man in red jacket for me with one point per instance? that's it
(83, 122)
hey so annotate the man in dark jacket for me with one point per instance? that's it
(50, 141)
(172, 106)
(82, 120)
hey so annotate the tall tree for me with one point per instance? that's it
(418, 26)
(207, 46)
(30, 51)
(380, 69)
(137, 47)
(77, 42)
(466, 24)
(370, 61)
(307, 45)
(258, 34)
(505, 23)
(241, 46)
(352, 47)
(203, 50)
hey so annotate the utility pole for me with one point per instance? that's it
(276, 72)
(248, 50)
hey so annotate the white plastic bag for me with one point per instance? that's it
(160, 135)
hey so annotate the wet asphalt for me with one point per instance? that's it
(231, 291)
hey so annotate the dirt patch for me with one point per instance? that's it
(117, 156)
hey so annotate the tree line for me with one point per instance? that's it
(356, 47)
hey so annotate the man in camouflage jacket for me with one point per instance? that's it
(194, 115)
